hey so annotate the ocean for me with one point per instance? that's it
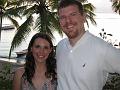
(5, 43)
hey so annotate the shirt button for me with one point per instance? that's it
(71, 51)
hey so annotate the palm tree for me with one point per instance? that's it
(89, 9)
(47, 19)
(9, 11)
(116, 5)
(1, 13)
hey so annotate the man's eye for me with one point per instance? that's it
(73, 14)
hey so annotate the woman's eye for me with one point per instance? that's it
(42, 47)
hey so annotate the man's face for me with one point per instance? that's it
(71, 21)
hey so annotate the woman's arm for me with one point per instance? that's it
(17, 79)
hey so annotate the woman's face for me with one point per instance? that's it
(41, 50)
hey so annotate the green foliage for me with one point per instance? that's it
(113, 82)
(116, 6)
(104, 35)
(6, 77)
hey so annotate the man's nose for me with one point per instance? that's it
(68, 19)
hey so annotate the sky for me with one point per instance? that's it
(106, 18)
(102, 6)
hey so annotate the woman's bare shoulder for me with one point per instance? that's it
(17, 78)
(19, 71)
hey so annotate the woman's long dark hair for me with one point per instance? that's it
(30, 62)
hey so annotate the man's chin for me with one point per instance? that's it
(71, 36)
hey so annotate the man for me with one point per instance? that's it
(83, 60)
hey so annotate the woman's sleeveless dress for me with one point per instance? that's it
(48, 85)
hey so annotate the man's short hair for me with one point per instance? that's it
(65, 3)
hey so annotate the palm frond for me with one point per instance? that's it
(83, 1)
(116, 6)
(29, 11)
(3, 2)
(13, 21)
(21, 34)
(89, 6)
(54, 22)
(53, 4)
(43, 25)
(89, 10)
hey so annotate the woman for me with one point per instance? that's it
(39, 70)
